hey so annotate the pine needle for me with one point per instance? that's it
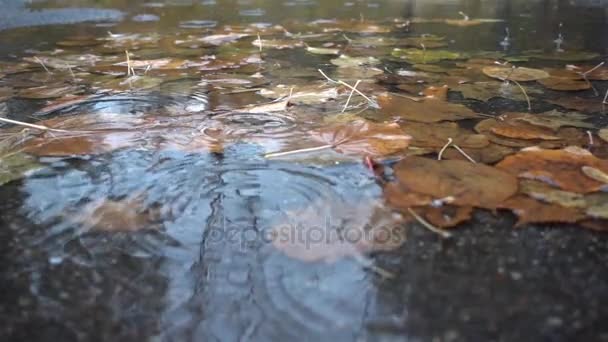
(25, 124)
(445, 147)
(350, 96)
(427, 225)
(303, 150)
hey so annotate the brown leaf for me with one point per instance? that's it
(437, 134)
(561, 168)
(564, 84)
(486, 155)
(529, 210)
(591, 105)
(470, 184)
(446, 216)
(515, 74)
(427, 110)
(48, 91)
(364, 138)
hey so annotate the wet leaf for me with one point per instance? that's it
(545, 193)
(14, 166)
(422, 56)
(565, 56)
(560, 168)
(220, 39)
(350, 62)
(464, 22)
(552, 119)
(48, 92)
(519, 74)
(322, 50)
(304, 94)
(595, 174)
(603, 134)
(484, 91)
(529, 210)
(469, 184)
(276, 106)
(587, 105)
(279, 44)
(490, 154)
(364, 138)
(447, 216)
(564, 84)
(435, 135)
(6, 93)
(108, 215)
(426, 110)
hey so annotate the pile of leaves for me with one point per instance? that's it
(378, 93)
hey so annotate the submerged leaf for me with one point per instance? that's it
(560, 168)
(436, 135)
(483, 91)
(529, 210)
(427, 110)
(350, 62)
(564, 84)
(469, 184)
(14, 166)
(423, 56)
(519, 74)
(364, 138)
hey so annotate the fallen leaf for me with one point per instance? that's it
(14, 166)
(603, 134)
(108, 215)
(519, 74)
(490, 154)
(314, 93)
(552, 119)
(278, 44)
(564, 56)
(484, 91)
(436, 135)
(564, 84)
(427, 110)
(48, 92)
(349, 62)
(529, 210)
(587, 105)
(423, 56)
(276, 106)
(560, 168)
(220, 39)
(469, 184)
(364, 138)
(322, 51)
(446, 216)
(548, 194)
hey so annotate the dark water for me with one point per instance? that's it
(159, 244)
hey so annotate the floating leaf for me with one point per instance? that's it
(364, 138)
(276, 106)
(469, 184)
(565, 56)
(603, 134)
(519, 74)
(305, 94)
(220, 39)
(436, 135)
(587, 105)
(322, 50)
(14, 166)
(350, 62)
(48, 92)
(484, 91)
(564, 84)
(561, 168)
(529, 210)
(6, 93)
(277, 44)
(427, 110)
(422, 56)
(552, 119)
